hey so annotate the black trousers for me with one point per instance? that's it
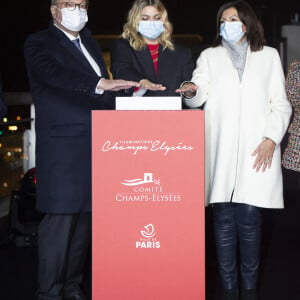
(63, 243)
(237, 224)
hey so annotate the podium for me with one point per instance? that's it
(148, 239)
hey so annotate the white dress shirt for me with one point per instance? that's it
(87, 56)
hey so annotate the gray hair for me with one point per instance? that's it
(53, 2)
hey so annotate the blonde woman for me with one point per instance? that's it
(146, 53)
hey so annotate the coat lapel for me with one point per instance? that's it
(163, 61)
(247, 63)
(93, 50)
(77, 56)
(145, 59)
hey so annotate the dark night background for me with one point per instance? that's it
(21, 18)
(279, 274)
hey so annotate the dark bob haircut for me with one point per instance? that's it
(255, 32)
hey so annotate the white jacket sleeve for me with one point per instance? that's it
(279, 108)
(201, 79)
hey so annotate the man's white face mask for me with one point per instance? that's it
(74, 20)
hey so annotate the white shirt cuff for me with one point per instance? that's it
(99, 91)
(139, 93)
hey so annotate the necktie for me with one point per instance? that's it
(77, 44)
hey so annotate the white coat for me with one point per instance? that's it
(239, 114)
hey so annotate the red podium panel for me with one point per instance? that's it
(148, 205)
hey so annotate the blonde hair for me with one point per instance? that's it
(130, 29)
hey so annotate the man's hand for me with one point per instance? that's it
(116, 84)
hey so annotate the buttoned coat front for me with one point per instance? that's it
(239, 115)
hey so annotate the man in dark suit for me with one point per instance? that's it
(67, 81)
(2, 103)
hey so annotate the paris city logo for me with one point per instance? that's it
(148, 239)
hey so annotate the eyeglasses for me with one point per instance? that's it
(72, 6)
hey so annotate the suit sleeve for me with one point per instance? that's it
(45, 67)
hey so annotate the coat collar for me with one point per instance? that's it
(145, 59)
(230, 63)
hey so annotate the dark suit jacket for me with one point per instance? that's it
(63, 87)
(174, 67)
(2, 103)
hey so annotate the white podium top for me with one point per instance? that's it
(148, 103)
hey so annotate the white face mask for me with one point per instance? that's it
(74, 20)
(231, 31)
(151, 29)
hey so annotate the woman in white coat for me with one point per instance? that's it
(241, 83)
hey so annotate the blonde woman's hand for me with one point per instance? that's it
(148, 85)
(264, 155)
